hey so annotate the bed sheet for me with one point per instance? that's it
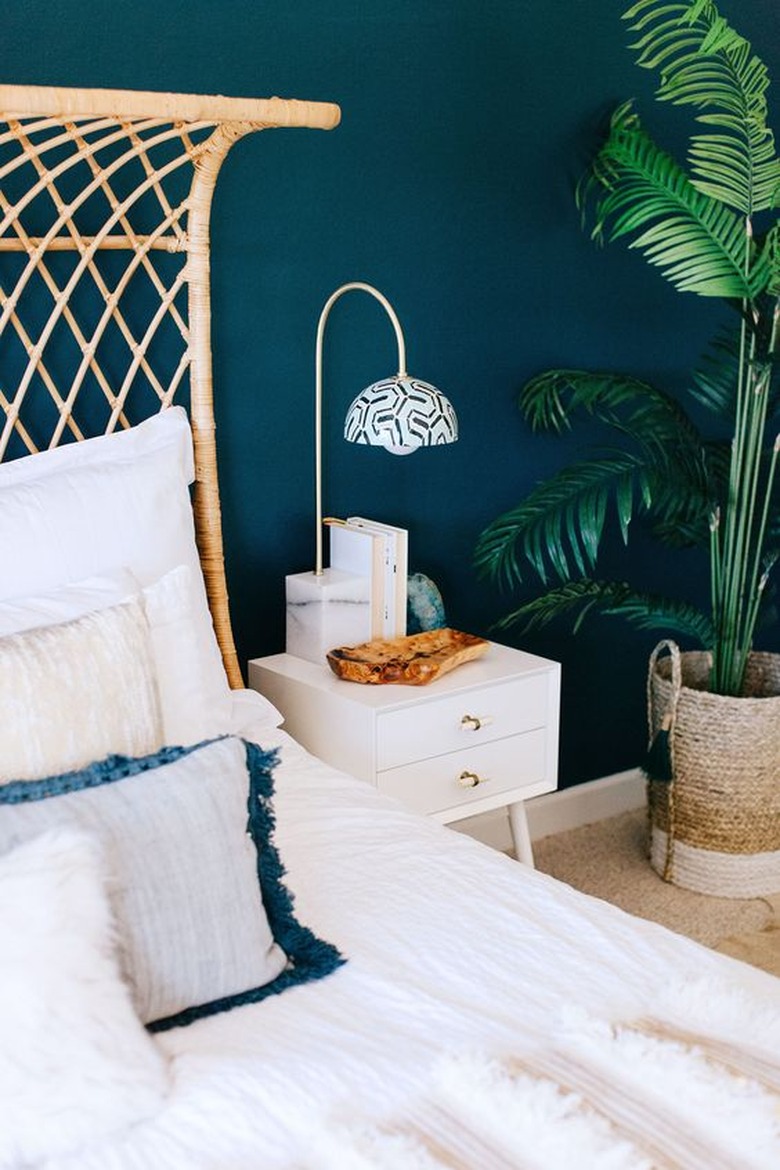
(450, 947)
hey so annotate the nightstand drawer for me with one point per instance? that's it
(455, 722)
(441, 783)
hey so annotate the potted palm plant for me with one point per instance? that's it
(711, 229)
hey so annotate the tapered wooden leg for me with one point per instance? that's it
(521, 838)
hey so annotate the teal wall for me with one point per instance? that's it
(449, 186)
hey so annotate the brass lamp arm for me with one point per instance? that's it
(358, 285)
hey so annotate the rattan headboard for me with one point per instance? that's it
(105, 199)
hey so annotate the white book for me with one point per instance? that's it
(396, 555)
(361, 551)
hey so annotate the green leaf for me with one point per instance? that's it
(647, 416)
(558, 527)
(770, 246)
(635, 188)
(715, 381)
(705, 63)
(683, 503)
(612, 598)
(643, 412)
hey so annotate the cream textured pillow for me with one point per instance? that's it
(78, 691)
(192, 709)
(75, 1063)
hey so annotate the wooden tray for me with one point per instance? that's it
(414, 660)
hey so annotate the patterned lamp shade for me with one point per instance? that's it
(401, 414)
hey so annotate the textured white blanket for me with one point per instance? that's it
(459, 959)
(595, 1097)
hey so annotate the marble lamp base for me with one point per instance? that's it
(323, 612)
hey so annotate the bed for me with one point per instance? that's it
(220, 953)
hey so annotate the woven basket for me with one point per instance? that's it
(715, 827)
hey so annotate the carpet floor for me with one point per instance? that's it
(609, 860)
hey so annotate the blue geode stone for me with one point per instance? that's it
(424, 605)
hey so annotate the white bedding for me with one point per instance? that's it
(450, 948)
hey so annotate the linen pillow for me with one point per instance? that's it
(78, 690)
(112, 502)
(75, 1063)
(190, 713)
(205, 921)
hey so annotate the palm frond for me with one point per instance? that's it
(763, 325)
(771, 246)
(716, 379)
(687, 494)
(612, 598)
(643, 412)
(715, 382)
(699, 244)
(705, 63)
(678, 485)
(560, 524)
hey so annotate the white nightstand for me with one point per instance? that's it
(483, 736)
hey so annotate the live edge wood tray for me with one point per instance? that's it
(414, 660)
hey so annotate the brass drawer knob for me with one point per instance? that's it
(471, 779)
(475, 722)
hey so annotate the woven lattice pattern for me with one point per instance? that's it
(93, 250)
(105, 200)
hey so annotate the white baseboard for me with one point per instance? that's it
(556, 812)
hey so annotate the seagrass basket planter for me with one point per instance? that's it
(715, 825)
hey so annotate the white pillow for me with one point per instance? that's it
(112, 502)
(75, 1062)
(18, 614)
(195, 705)
(191, 711)
(78, 691)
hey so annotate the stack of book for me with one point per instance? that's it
(379, 553)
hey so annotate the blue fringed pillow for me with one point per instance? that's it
(205, 922)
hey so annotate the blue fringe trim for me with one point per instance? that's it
(105, 771)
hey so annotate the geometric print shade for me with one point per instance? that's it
(401, 413)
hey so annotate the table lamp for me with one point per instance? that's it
(327, 608)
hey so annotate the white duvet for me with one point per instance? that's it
(451, 948)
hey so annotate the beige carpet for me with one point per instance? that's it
(608, 859)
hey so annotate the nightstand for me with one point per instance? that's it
(483, 736)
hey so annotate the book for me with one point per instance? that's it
(360, 551)
(396, 560)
